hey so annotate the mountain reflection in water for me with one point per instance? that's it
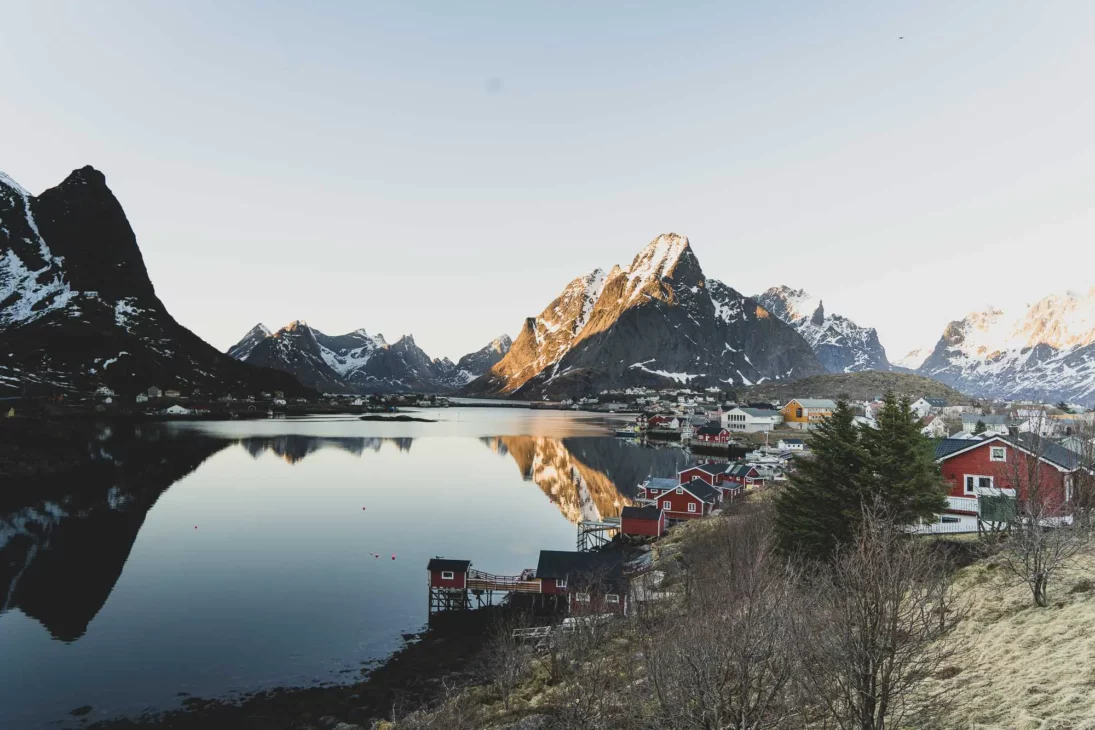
(274, 588)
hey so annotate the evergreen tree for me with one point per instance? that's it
(902, 473)
(820, 506)
(892, 467)
(979, 428)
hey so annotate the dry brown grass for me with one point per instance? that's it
(1023, 667)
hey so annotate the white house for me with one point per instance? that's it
(142, 398)
(923, 406)
(934, 426)
(994, 425)
(154, 392)
(791, 445)
(358, 402)
(751, 420)
(102, 390)
(279, 401)
(176, 410)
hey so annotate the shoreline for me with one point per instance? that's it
(418, 674)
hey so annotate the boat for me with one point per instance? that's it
(628, 432)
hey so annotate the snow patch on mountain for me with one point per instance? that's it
(840, 344)
(1046, 352)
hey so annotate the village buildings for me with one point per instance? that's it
(807, 413)
(751, 420)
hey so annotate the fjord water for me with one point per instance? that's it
(230, 557)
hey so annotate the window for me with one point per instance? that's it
(446, 575)
(949, 519)
(561, 583)
(975, 482)
(798, 413)
(612, 598)
(655, 492)
(667, 504)
(998, 453)
(581, 597)
(680, 490)
(691, 506)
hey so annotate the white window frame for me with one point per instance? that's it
(1002, 449)
(680, 490)
(667, 504)
(612, 598)
(976, 483)
(447, 575)
(691, 506)
(561, 583)
(581, 597)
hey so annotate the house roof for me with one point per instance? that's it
(946, 447)
(792, 441)
(814, 402)
(713, 469)
(741, 470)
(936, 402)
(987, 420)
(702, 490)
(567, 565)
(641, 513)
(1050, 451)
(457, 566)
(662, 483)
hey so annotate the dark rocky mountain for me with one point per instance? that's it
(474, 364)
(1045, 353)
(357, 362)
(659, 322)
(840, 344)
(78, 310)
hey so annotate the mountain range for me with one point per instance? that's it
(840, 344)
(1044, 353)
(658, 322)
(358, 362)
(78, 310)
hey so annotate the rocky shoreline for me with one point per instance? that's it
(444, 657)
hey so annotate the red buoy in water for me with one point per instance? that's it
(393, 557)
(363, 508)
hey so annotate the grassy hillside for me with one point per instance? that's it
(855, 386)
(1022, 667)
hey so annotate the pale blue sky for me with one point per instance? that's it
(446, 168)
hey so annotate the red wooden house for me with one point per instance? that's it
(666, 422)
(648, 521)
(448, 573)
(655, 487)
(712, 474)
(593, 583)
(1002, 465)
(689, 501)
(743, 475)
(711, 435)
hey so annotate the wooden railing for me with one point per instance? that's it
(480, 581)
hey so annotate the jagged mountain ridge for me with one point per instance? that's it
(358, 362)
(841, 345)
(78, 310)
(658, 322)
(1045, 353)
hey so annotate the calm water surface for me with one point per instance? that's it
(229, 557)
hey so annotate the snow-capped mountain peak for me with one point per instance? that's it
(1047, 351)
(840, 344)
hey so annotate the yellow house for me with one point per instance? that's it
(806, 413)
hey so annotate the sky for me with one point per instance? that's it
(444, 169)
